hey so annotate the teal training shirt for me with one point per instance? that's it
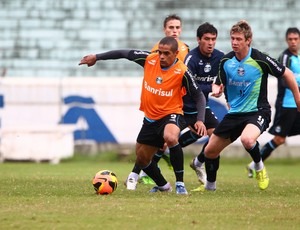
(245, 80)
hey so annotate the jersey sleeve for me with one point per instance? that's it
(137, 56)
(189, 62)
(285, 60)
(274, 67)
(196, 93)
(221, 77)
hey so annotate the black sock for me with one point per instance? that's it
(255, 153)
(201, 157)
(176, 157)
(136, 169)
(268, 149)
(158, 155)
(153, 171)
(188, 138)
(211, 168)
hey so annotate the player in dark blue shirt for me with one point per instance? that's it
(287, 118)
(243, 78)
(203, 62)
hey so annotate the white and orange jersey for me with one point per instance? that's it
(161, 89)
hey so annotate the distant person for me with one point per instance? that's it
(173, 28)
(243, 79)
(161, 102)
(287, 118)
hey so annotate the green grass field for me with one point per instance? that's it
(45, 196)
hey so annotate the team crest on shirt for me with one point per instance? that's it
(207, 67)
(200, 62)
(159, 80)
(241, 71)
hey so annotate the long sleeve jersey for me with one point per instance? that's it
(161, 89)
(205, 70)
(245, 80)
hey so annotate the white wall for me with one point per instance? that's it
(37, 103)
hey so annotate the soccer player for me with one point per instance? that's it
(203, 62)
(161, 102)
(243, 78)
(287, 118)
(172, 27)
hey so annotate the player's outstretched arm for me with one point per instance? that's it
(137, 56)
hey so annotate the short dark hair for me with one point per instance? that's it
(170, 41)
(291, 30)
(206, 28)
(171, 17)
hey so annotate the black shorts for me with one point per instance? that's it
(152, 133)
(211, 121)
(233, 125)
(286, 122)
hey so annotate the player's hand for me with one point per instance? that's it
(200, 128)
(217, 90)
(88, 60)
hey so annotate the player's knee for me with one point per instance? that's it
(210, 153)
(171, 140)
(248, 142)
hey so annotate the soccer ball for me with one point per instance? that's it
(105, 182)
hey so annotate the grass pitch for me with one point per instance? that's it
(45, 196)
